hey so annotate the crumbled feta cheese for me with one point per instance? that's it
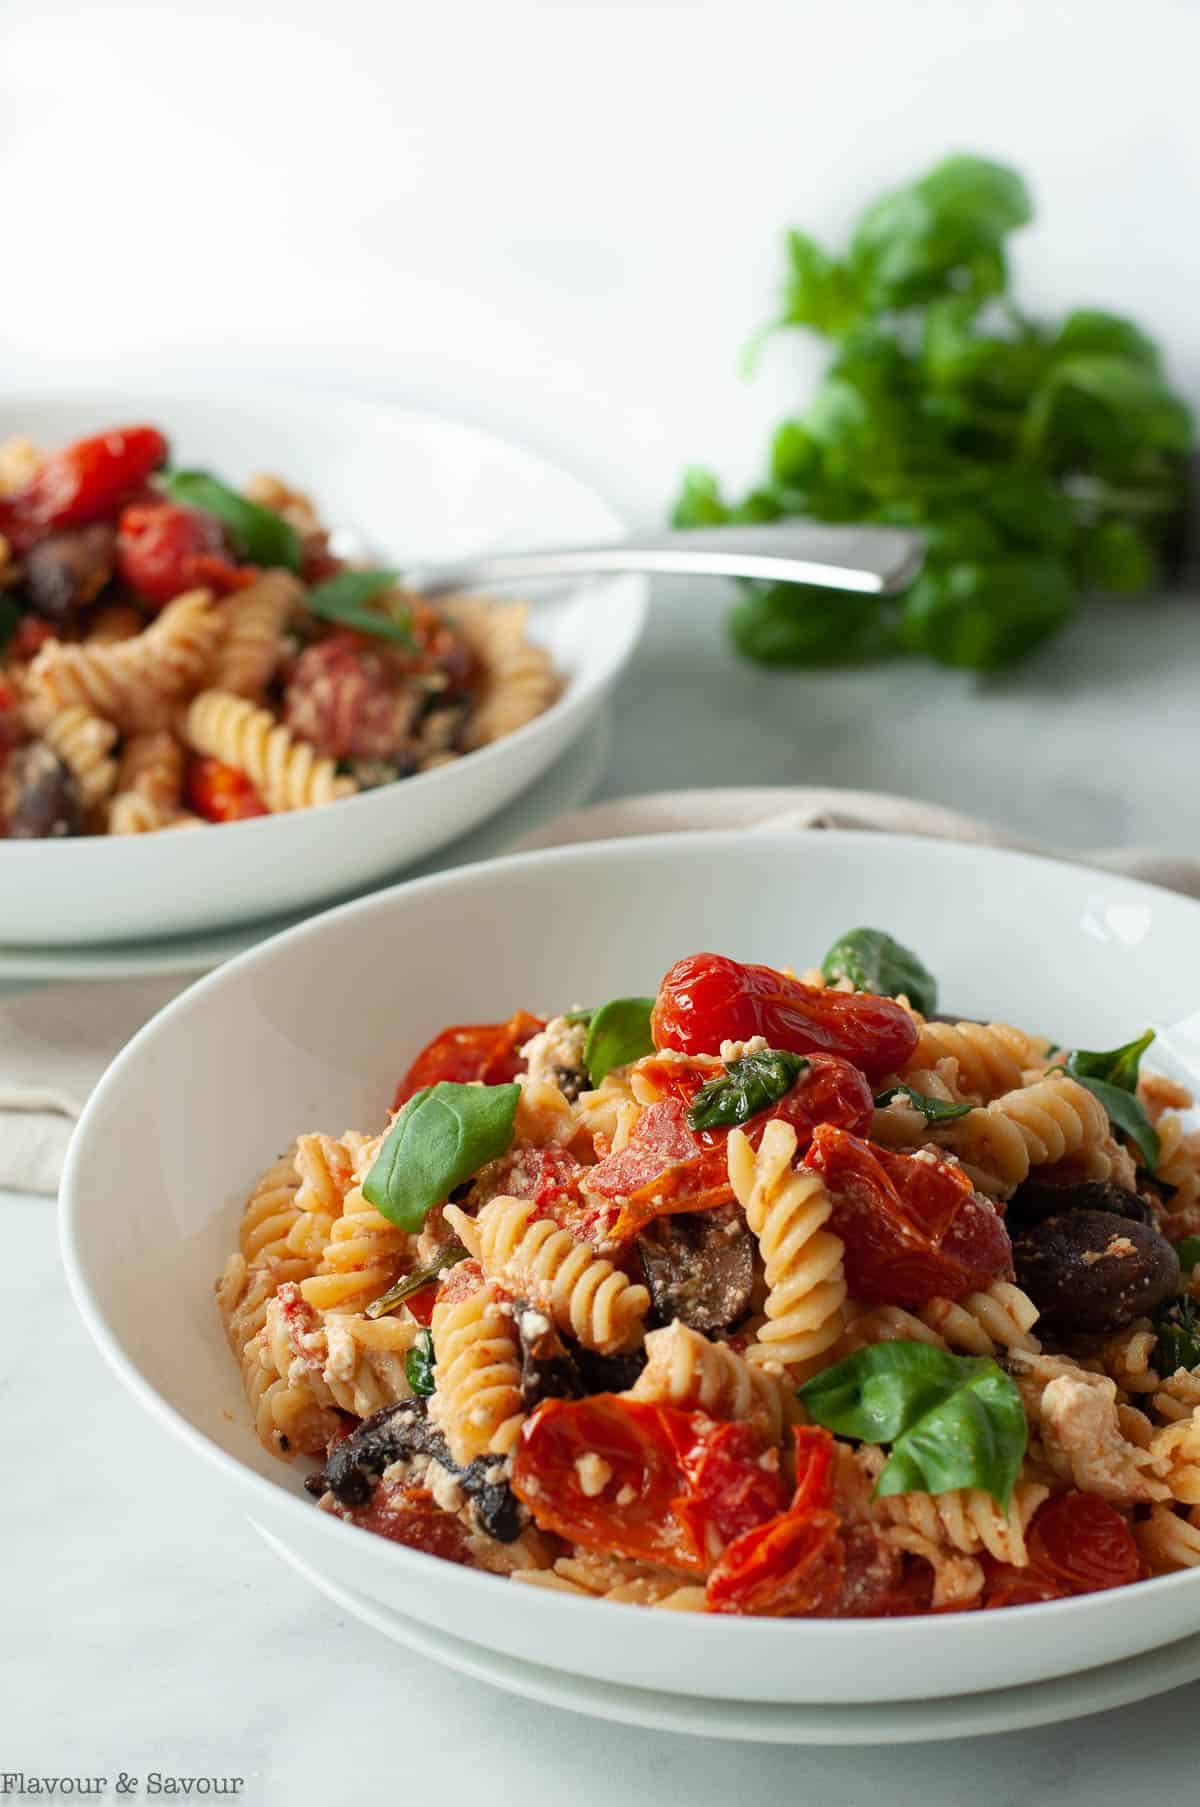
(594, 1474)
(731, 1051)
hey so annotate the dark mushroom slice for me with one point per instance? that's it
(66, 571)
(1037, 1199)
(570, 1082)
(1092, 1271)
(354, 1466)
(557, 1367)
(39, 798)
(699, 1267)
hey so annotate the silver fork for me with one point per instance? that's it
(874, 561)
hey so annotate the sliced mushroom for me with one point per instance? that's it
(39, 798)
(355, 1465)
(554, 1368)
(1036, 1200)
(1092, 1271)
(67, 570)
(699, 1267)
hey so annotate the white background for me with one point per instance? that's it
(567, 217)
(565, 220)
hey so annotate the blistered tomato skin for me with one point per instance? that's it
(466, 1052)
(164, 548)
(83, 482)
(220, 793)
(706, 999)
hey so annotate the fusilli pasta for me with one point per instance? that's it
(534, 1259)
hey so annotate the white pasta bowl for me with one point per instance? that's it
(409, 487)
(311, 1030)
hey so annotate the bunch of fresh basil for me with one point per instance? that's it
(1039, 461)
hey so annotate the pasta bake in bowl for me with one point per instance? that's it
(188, 640)
(836, 1320)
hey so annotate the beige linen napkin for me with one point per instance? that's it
(56, 1041)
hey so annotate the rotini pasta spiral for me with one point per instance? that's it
(805, 1279)
(477, 1374)
(967, 1519)
(1169, 1540)
(84, 743)
(362, 1257)
(254, 620)
(520, 681)
(990, 1057)
(132, 812)
(152, 764)
(131, 683)
(687, 1370)
(534, 1259)
(286, 771)
(1034, 1126)
(626, 1583)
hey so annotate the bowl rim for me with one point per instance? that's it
(574, 697)
(921, 1628)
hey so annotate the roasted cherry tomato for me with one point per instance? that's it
(913, 1227)
(83, 482)
(793, 1564)
(220, 793)
(164, 548)
(667, 1166)
(29, 637)
(408, 1515)
(663, 1168)
(641, 1480)
(489, 1052)
(706, 999)
(1083, 1543)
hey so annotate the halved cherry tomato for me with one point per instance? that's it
(794, 1563)
(913, 1227)
(1083, 1543)
(220, 793)
(83, 482)
(663, 1168)
(164, 548)
(29, 637)
(408, 1515)
(671, 1482)
(667, 1166)
(706, 999)
(470, 1051)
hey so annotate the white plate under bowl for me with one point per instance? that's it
(412, 486)
(311, 1030)
(567, 784)
(1100, 1690)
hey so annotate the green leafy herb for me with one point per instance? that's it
(1038, 461)
(1112, 1077)
(1178, 1327)
(579, 1016)
(415, 1282)
(418, 1364)
(10, 615)
(873, 961)
(1189, 1253)
(935, 1110)
(259, 534)
(952, 1420)
(617, 1033)
(348, 599)
(444, 1134)
(746, 1086)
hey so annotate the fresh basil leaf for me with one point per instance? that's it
(1112, 1077)
(935, 1110)
(1126, 1114)
(873, 961)
(746, 1086)
(1178, 1326)
(947, 227)
(259, 534)
(416, 1281)
(952, 1421)
(418, 1365)
(579, 1016)
(984, 616)
(347, 599)
(10, 615)
(798, 624)
(618, 1033)
(443, 1135)
(1116, 556)
(1189, 1253)
(1116, 1066)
